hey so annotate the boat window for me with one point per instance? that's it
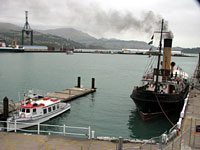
(34, 110)
(22, 110)
(44, 111)
(57, 106)
(54, 107)
(27, 110)
(49, 109)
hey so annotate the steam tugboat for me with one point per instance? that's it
(163, 90)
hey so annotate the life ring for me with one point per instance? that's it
(164, 86)
(22, 115)
(147, 77)
(152, 85)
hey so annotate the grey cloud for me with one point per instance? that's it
(89, 17)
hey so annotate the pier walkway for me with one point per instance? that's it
(19, 141)
(189, 138)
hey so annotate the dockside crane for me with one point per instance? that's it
(27, 30)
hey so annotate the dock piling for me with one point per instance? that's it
(93, 83)
(79, 82)
(5, 108)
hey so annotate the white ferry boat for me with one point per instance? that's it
(36, 110)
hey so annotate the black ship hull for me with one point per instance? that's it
(149, 103)
(11, 50)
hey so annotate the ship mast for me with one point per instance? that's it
(159, 54)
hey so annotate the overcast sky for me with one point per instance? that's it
(120, 19)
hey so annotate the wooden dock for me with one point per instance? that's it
(65, 96)
(71, 93)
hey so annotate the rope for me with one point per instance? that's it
(164, 111)
(149, 64)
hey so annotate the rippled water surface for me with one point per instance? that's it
(110, 111)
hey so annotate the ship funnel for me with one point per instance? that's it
(167, 54)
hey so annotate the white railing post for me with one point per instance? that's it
(89, 132)
(93, 132)
(120, 144)
(38, 128)
(64, 130)
(15, 126)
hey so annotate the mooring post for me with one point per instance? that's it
(93, 83)
(5, 108)
(79, 82)
(120, 144)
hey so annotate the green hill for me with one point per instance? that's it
(84, 38)
(9, 27)
(9, 32)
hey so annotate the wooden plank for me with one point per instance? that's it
(71, 93)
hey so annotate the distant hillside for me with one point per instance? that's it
(84, 38)
(9, 32)
(9, 26)
(72, 38)
(191, 50)
(120, 44)
(70, 33)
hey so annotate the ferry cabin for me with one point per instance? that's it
(42, 107)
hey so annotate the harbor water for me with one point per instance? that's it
(110, 111)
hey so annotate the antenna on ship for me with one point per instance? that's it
(27, 30)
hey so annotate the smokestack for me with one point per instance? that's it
(167, 53)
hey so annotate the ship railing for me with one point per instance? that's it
(25, 91)
(48, 129)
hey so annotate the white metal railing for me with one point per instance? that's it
(61, 129)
